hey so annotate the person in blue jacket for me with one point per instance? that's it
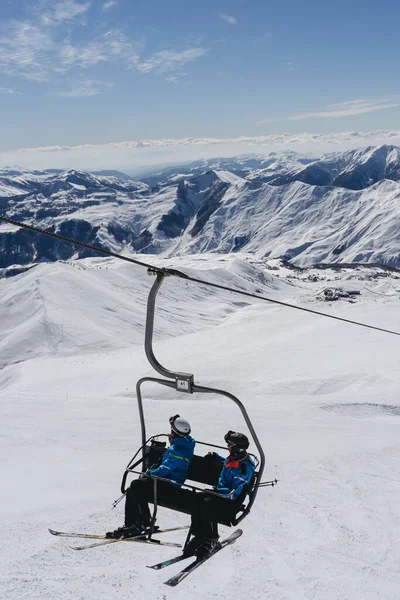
(174, 467)
(233, 484)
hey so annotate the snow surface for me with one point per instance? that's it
(323, 397)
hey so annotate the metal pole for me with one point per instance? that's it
(148, 341)
(153, 519)
(140, 406)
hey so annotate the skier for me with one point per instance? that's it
(237, 472)
(174, 466)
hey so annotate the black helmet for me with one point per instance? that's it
(238, 441)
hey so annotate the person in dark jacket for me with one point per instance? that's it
(174, 467)
(235, 478)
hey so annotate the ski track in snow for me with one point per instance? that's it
(323, 397)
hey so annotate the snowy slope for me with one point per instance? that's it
(323, 397)
(107, 299)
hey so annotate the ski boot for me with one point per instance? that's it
(207, 548)
(191, 548)
(134, 530)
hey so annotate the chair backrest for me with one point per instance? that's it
(202, 470)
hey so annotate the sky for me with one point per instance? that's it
(88, 73)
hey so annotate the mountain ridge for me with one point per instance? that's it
(215, 210)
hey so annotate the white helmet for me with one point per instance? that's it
(179, 426)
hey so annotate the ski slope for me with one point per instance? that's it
(322, 395)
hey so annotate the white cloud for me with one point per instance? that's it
(150, 152)
(37, 50)
(84, 56)
(108, 5)
(26, 50)
(112, 46)
(60, 12)
(9, 91)
(169, 60)
(119, 46)
(33, 53)
(91, 87)
(263, 38)
(342, 109)
(364, 102)
(379, 136)
(36, 53)
(228, 18)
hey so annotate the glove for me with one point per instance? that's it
(211, 456)
(224, 491)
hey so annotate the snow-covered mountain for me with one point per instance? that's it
(243, 166)
(355, 169)
(339, 208)
(93, 209)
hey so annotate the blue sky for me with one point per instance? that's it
(90, 72)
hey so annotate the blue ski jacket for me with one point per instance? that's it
(176, 460)
(236, 475)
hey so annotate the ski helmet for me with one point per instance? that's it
(179, 427)
(238, 441)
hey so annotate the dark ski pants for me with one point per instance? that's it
(141, 492)
(207, 511)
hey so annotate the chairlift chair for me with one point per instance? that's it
(202, 470)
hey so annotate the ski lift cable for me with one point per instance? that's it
(62, 238)
(181, 275)
(287, 304)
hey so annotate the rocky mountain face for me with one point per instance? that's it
(340, 208)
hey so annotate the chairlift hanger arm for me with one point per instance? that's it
(183, 381)
(148, 342)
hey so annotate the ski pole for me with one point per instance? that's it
(267, 483)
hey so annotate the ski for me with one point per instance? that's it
(101, 536)
(138, 540)
(173, 581)
(167, 563)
